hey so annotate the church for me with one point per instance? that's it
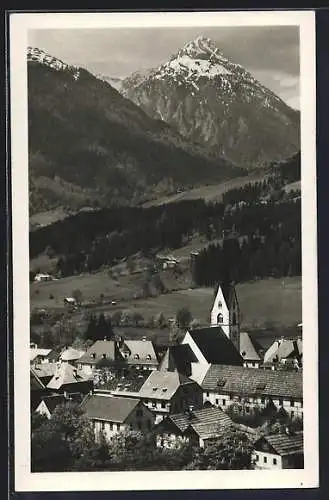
(225, 313)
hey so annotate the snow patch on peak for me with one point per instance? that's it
(38, 55)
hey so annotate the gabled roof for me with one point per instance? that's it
(178, 358)
(35, 382)
(109, 408)
(202, 420)
(283, 348)
(71, 354)
(99, 348)
(284, 444)
(64, 375)
(247, 348)
(52, 401)
(144, 349)
(163, 385)
(249, 381)
(44, 370)
(35, 352)
(215, 346)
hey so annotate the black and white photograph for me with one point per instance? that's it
(164, 250)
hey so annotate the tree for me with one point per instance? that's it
(183, 317)
(231, 451)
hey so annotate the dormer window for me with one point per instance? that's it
(136, 356)
(148, 356)
(164, 389)
(219, 319)
(155, 388)
(104, 355)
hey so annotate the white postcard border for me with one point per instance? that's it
(166, 480)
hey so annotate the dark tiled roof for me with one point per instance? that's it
(249, 381)
(35, 382)
(178, 357)
(52, 401)
(284, 444)
(109, 408)
(215, 346)
(104, 352)
(204, 420)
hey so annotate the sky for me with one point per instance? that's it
(269, 53)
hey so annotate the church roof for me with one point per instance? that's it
(247, 348)
(215, 346)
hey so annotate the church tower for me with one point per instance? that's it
(226, 312)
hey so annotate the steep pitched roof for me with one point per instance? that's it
(179, 358)
(215, 346)
(44, 370)
(163, 385)
(202, 420)
(64, 375)
(283, 348)
(109, 408)
(96, 352)
(247, 348)
(52, 401)
(35, 382)
(144, 349)
(249, 381)
(35, 352)
(284, 444)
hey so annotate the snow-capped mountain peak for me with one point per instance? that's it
(35, 54)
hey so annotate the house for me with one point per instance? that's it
(200, 426)
(68, 379)
(42, 355)
(279, 451)
(225, 312)
(49, 403)
(37, 390)
(210, 345)
(284, 351)
(71, 356)
(43, 277)
(119, 355)
(252, 387)
(43, 371)
(70, 302)
(166, 392)
(249, 350)
(111, 414)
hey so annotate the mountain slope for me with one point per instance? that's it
(217, 103)
(87, 142)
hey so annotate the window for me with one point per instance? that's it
(274, 461)
(224, 402)
(216, 401)
(163, 404)
(257, 458)
(292, 402)
(247, 409)
(148, 356)
(265, 460)
(292, 414)
(281, 402)
(207, 394)
(220, 304)
(118, 427)
(219, 319)
(136, 356)
(102, 425)
(111, 426)
(154, 403)
(139, 425)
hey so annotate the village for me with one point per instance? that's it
(211, 380)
